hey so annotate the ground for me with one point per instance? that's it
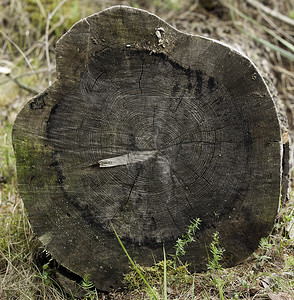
(28, 33)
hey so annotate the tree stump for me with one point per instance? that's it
(147, 128)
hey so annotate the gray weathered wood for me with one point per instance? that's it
(147, 128)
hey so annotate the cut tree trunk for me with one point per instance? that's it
(145, 129)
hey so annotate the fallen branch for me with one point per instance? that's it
(25, 87)
(271, 12)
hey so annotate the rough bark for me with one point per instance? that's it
(147, 128)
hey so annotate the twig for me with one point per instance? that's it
(41, 7)
(50, 16)
(41, 40)
(271, 12)
(53, 70)
(25, 87)
(21, 52)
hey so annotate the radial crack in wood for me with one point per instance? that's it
(147, 128)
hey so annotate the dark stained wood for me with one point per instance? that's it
(147, 128)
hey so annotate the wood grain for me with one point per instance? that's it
(147, 128)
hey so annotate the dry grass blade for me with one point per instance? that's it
(150, 290)
(20, 51)
(25, 74)
(271, 12)
(277, 28)
(18, 274)
(261, 40)
(271, 32)
(50, 16)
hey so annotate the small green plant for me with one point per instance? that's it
(263, 250)
(214, 266)
(186, 238)
(165, 272)
(154, 275)
(89, 288)
(217, 254)
(265, 244)
(46, 273)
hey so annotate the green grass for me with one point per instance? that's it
(18, 278)
(22, 275)
(150, 291)
(164, 273)
(273, 261)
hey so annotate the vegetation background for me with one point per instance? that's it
(29, 29)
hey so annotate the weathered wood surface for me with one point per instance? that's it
(147, 128)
